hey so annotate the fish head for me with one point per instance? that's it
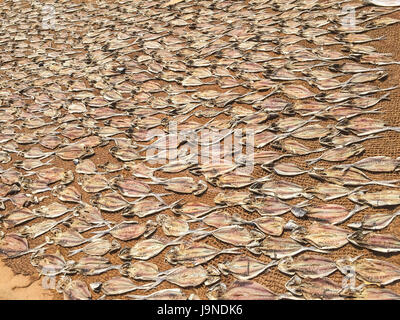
(151, 227)
(358, 235)
(277, 145)
(294, 285)
(285, 265)
(171, 255)
(62, 283)
(299, 233)
(96, 286)
(217, 291)
(201, 188)
(344, 264)
(357, 149)
(317, 173)
(256, 235)
(357, 197)
(115, 245)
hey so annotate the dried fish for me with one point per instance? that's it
(383, 198)
(281, 189)
(384, 242)
(350, 177)
(17, 217)
(371, 293)
(146, 207)
(263, 158)
(307, 265)
(294, 147)
(30, 164)
(55, 174)
(146, 249)
(235, 235)
(376, 221)
(343, 140)
(67, 239)
(297, 92)
(86, 167)
(286, 169)
(13, 245)
(140, 270)
(98, 247)
(128, 230)
(370, 271)
(74, 151)
(236, 180)
(35, 230)
(311, 289)
(272, 206)
(52, 264)
(195, 254)
(277, 247)
(329, 191)
(339, 154)
(244, 268)
(4, 157)
(384, 3)
(117, 285)
(73, 289)
(183, 185)
(209, 75)
(232, 198)
(94, 183)
(188, 276)
(321, 235)
(172, 226)
(110, 202)
(245, 290)
(331, 213)
(93, 265)
(67, 194)
(213, 170)
(165, 294)
(375, 164)
(363, 126)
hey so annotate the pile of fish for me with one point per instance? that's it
(93, 96)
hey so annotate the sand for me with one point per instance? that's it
(20, 287)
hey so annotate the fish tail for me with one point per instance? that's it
(150, 286)
(173, 204)
(298, 212)
(312, 161)
(385, 183)
(315, 249)
(230, 250)
(73, 252)
(200, 234)
(264, 179)
(357, 208)
(159, 196)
